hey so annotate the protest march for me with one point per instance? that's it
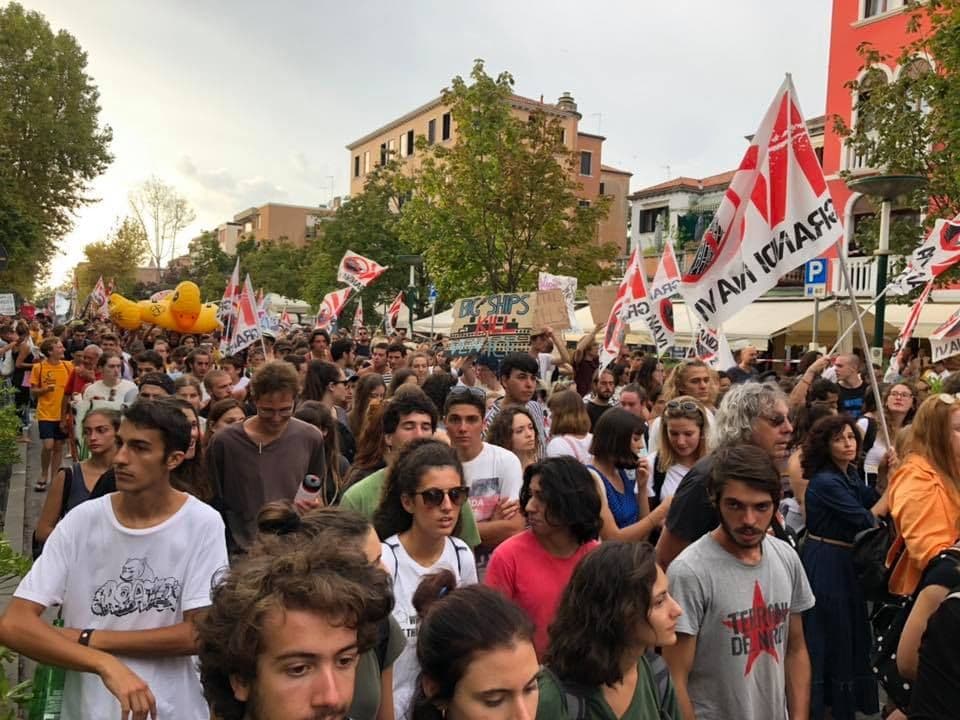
(439, 450)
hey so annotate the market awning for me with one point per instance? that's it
(931, 316)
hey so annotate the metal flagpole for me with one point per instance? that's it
(859, 319)
(866, 347)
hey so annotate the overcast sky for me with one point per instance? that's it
(238, 103)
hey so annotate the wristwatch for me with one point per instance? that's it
(84, 638)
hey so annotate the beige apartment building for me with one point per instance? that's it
(434, 122)
(293, 224)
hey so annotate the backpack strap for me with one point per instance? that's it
(659, 478)
(457, 550)
(396, 560)
(574, 700)
(383, 641)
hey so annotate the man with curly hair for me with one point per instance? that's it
(286, 631)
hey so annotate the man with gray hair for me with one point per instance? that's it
(755, 413)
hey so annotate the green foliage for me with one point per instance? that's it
(9, 429)
(51, 143)
(493, 209)
(116, 258)
(211, 266)
(369, 225)
(274, 266)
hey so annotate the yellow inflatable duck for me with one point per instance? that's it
(181, 311)
(124, 313)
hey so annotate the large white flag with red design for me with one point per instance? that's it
(393, 312)
(657, 310)
(246, 326)
(937, 254)
(358, 315)
(631, 286)
(231, 294)
(776, 215)
(945, 340)
(98, 299)
(330, 308)
(358, 271)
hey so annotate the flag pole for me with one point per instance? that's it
(866, 347)
(860, 319)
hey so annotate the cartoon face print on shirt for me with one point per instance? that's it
(138, 590)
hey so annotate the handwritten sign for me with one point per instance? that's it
(491, 326)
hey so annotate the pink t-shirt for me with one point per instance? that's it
(533, 578)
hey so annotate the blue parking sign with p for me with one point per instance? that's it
(815, 272)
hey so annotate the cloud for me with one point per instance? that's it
(242, 191)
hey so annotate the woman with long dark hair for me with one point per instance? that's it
(416, 520)
(838, 506)
(614, 612)
(190, 476)
(650, 376)
(476, 656)
(513, 429)
(562, 506)
(369, 387)
(336, 466)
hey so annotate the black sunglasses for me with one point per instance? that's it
(464, 390)
(433, 497)
(775, 420)
(686, 406)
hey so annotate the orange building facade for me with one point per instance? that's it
(434, 122)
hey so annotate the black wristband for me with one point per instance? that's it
(84, 638)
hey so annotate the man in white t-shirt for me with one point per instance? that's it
(493, 474)
(132, 571)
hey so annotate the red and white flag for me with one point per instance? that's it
(260, 299)
(358, 271)
(938, 253)
(712, 347)
(906, 332)
(358, 315)
(98, 299)
(246, 327)
(656, 310)
(632, 286)
(285, 320)
(231, 294)
(776, 215)
(330, 308)
(393, 312)
(945, 340)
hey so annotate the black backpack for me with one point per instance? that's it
(870, 550)
(888, 620)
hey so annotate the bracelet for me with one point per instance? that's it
(84, 638)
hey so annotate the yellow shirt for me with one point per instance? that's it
(46, 375)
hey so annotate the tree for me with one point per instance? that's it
(274, 266)
(51, 142)
(501, 204)
(912, 125)
(210, 266)
(116, 258)
(162, 214)
(369, 225)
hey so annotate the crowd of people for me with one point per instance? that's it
(357, 526)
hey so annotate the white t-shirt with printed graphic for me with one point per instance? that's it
(407, 574)
(494, 474)
(111, 577)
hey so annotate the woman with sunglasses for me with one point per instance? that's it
(924, 492)
(562, 506)
(838, 506)
(614, 612)
(111, 391)
(681, 444)
(621, 471)
(417, 517)
(878, 460)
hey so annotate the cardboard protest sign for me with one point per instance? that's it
(568, 286)
(491, 326)
(601, 299)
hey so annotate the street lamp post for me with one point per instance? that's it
(887, 188)
(414, 261)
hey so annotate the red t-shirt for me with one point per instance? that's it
(76, 384)
(533, 578)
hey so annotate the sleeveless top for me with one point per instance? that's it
(623, 505)
(78, 489)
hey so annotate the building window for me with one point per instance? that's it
(586, 162)
(875, 7)
(819, 153)
(391, 149)
(603, 187)
(445, 129)
(563, 135)
(356, 166)
(410, 143)
(259, 222)
(584, 203)
(431, 132)
(383, 153)
(647, 221)
(366, 161)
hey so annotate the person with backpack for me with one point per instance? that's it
(838, 506)
(281, 527)
(601, 663)
(475, 651)
(416, 521)
(924, 493)
(681, 444)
